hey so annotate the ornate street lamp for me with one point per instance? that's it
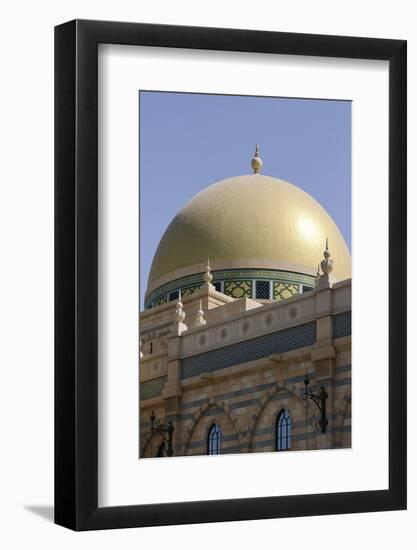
(165, 431)
(320, 400)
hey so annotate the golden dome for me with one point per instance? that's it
(252, 221)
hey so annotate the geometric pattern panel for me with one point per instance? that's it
(238, 289)
(152, 388)
(174, 295)
(249, 350)
(226, 275)
(307, 289)
(189, 290)
(262, 290)
(282, 291)
(161, 300)
(342, 324)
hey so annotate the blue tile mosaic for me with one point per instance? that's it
(342, 324)
(152, 388)
(250, 350)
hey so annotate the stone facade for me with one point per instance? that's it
(244, 366)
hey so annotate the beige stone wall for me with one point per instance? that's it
(263, 436)
(149, 444)
(245, 399)
(246, 404)
(343, 396)
(196, 441)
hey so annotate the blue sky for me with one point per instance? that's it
(189, 141)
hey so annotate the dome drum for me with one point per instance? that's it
(243, 283)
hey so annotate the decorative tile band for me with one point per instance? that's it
(286, 281)
(342, 324)
(250, 350)
(152, 388)
(282, 291)
(238, 289)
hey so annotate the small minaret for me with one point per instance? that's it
(318, 274)
(326, 279)
(327, 263)
(256, 162)
(208, 277)
(180, 316)
(200, 321)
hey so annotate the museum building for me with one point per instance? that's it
(245, 339)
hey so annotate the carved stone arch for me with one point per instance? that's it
(150, 441)
(212, 402)
(269, 395)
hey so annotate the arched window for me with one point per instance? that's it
(283, 431)
(214, 440)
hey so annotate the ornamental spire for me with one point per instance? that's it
(179, 316)
(256, 162)
(327, 263)
(179, 312)
(200, 321)
(208, 277)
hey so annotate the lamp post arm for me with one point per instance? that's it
(313, 398)
(320, 401)
(161, 432)
(165, 431)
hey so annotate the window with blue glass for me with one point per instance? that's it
(284, 431)
(214, 440)
(174, 295)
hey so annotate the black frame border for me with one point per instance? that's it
(76, 269)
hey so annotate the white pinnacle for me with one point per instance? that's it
(208, 277)
(200, 321)
(179, 311)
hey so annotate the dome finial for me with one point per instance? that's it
(256, 161)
